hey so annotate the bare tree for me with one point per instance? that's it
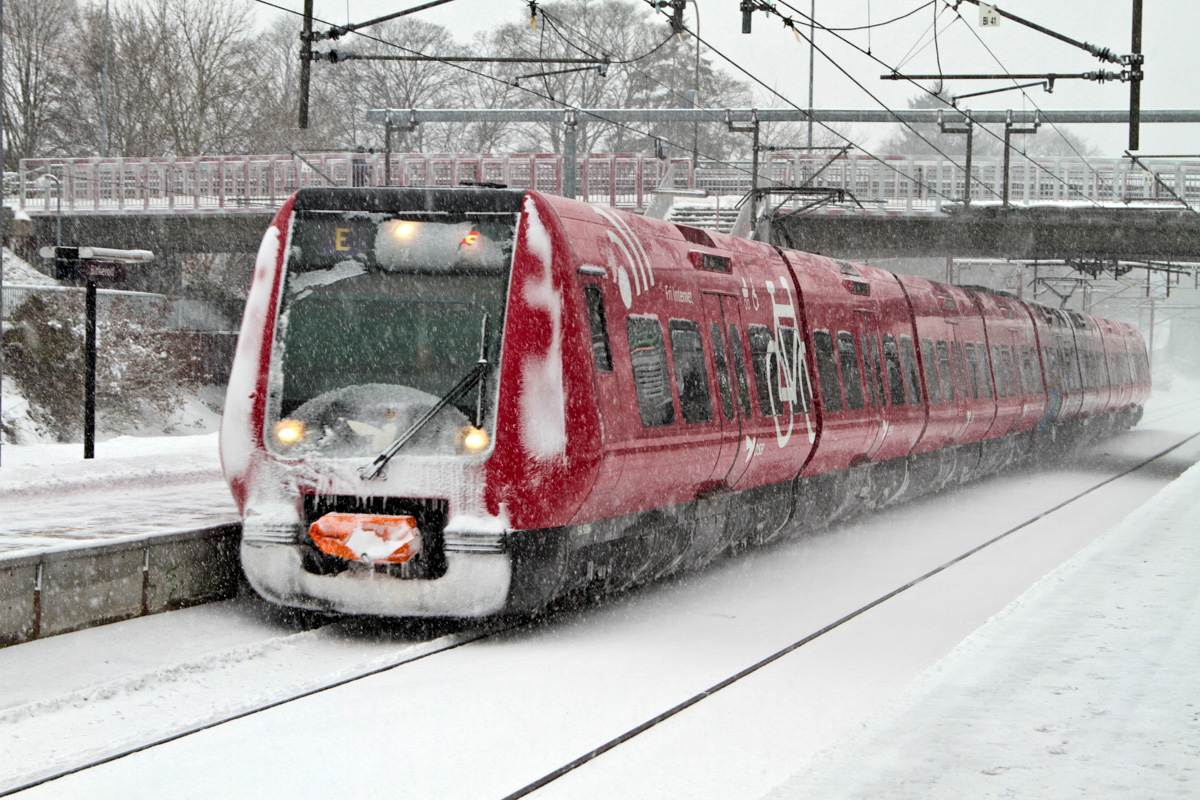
(208, 61)
(36, 45)
(649, 67)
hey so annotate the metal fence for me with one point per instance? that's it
(905, 184)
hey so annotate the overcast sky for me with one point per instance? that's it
(772, 53)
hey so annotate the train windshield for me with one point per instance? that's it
(382, 315)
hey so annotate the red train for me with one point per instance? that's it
(473, 401)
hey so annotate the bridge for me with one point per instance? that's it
(867, 207)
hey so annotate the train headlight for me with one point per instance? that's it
(474, 440)
(289, 432)
(404, 229)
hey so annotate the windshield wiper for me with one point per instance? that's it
(476, 375)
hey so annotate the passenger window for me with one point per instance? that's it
(985, 369)
(910, 369)
(766, 371)
(998, 364)
(931, 371)
(960, 370)
(722, 371)
(877, 366)
(891, 360)
(1027, 366)
(944, 369)
(599, 326)
(868, 359)
(687, 348)
(851, 378)
(1006, 360)
(973, 369)
(1049, 355)
(1072, 359)
(831, 389)
(739, 369)
(650, 378)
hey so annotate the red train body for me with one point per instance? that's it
(636, 397)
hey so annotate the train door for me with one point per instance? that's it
(720, 315)
(608, 396)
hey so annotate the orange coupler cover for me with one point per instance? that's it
(369, 538)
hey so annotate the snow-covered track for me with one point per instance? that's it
(154, 698)
(617, 741)
(531, 644)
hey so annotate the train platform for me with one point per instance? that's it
(146, 526)
(50, 497)
(1085, 686)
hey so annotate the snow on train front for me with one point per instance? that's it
(363, 405)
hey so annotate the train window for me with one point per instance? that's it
(599, 326)
(793, 367)
(722, 371)
(973, 369)
(868, 360)
(650, 378)
(891, 360)
(831, 388)
(1006, 360)
(960, 370)
(1039, 387)
(944, 368)
(877, 366)
(1027, 370)
(687, 349)
(851, 378)
(1048, 357)
(766, 371)
(739, 369)
(911, 376)
(998, 366)
(985, 369)
(1073, 374)
(931, 374)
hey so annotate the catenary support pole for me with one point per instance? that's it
(1135, 79)
(305, 61)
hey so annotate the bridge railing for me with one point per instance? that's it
(905, 184)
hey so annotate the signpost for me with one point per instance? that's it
(92, 265)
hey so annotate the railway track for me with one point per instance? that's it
(475, 634)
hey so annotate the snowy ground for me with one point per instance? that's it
(49, 495)
(1086, 686)
(1047, 699)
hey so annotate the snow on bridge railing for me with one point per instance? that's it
(908, 184)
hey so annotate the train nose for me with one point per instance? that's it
(369, 538)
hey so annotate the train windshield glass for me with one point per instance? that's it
(380, 318)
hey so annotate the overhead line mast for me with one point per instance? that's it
(1133, 62)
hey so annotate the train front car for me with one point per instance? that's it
(363, 416)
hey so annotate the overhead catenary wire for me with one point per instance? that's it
(1041, 167)
(839, 134)
(564, 105)
(715, 115)
(1033, 103)
(791, 24)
